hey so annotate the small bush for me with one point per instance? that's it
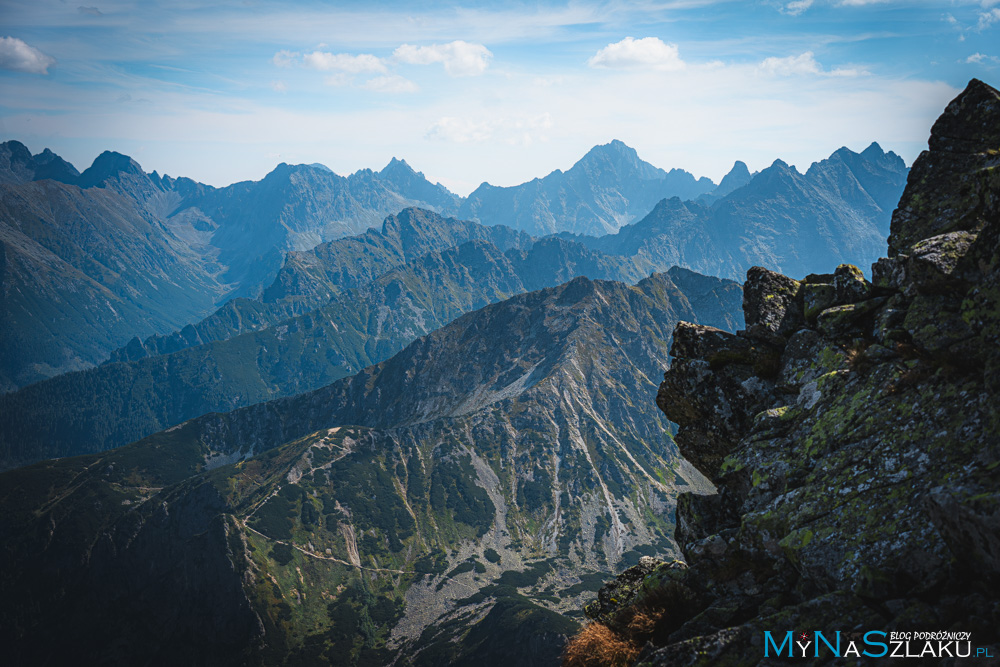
(282, 553)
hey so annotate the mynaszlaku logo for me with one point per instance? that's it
(872, 644)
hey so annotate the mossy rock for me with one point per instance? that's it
(817, 298)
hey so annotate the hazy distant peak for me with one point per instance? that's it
(614, 150)
(737, 177)
(873, 150)
(109, 165)
(399, 169)
(614, 146)
(396, 163)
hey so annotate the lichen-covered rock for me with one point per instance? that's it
(773, 303)
(740, 371)
(849, 318)
(859, 482)
(850, 284)
(619, 594)
(933, 324)
(950, 185)
(817, 297)
(932, 263)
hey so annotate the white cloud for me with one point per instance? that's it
(514, 131)
(986, 19)
(344, 62)
(285, 58)
(645, 53)
(338, 79)
(279, 87)
(459, 58)
(802, 64)
(17, 56)
(981, 58)
(459, 130)
(797, 7)
(392, 83)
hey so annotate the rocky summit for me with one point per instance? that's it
(853, 433)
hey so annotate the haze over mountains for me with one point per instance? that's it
(92, 260)
(216, 366)
(838, 210)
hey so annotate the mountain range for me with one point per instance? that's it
(494, 468)
(93, 260)
(215, 368)
(839, 210)
(608, 188)
(89, 261)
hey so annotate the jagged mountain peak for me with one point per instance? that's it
(609, 187)
(737, 177)
(50, 165)
(17, 150)
(619, 157)
(781, 165)
(16, 165)
(614, 147)
(107, 166)
(398, 165)
(873, 151)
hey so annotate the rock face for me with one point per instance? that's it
(853, 433)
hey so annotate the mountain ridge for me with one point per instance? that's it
(501, 487)
(117, 403)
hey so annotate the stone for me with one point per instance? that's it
(817, 297)
(848, 319)
(850, 284)
(889, 322)
(772, 305)
(932, 262)
(696, 341)
(933, 325)
(950, 182)
(889, 274)
(969, 518)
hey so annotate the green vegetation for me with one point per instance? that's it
(454, 488)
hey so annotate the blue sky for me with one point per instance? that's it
(488, 91)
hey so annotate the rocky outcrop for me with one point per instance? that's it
(858, 466)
